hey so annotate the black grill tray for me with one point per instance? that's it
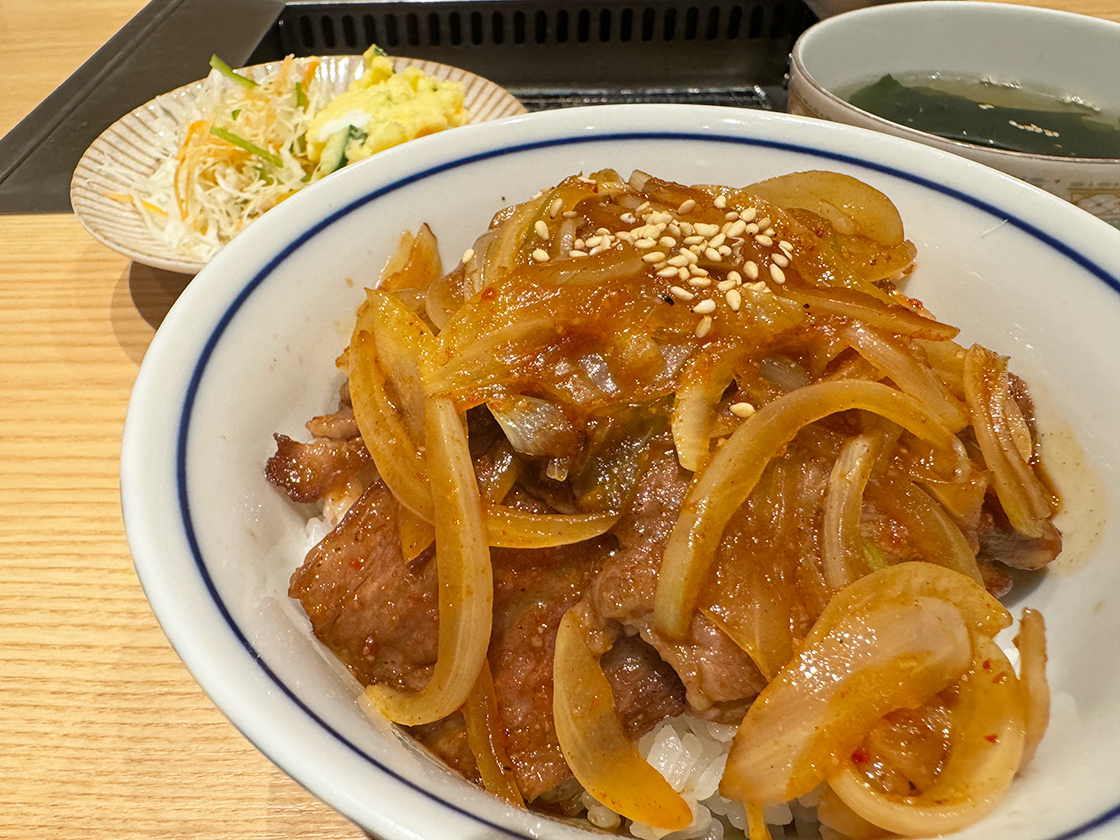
(549, 53)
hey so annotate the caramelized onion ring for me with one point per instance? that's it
(823, 703)
(986, 744)
(735, 469)
(594, 743)
(466, 584)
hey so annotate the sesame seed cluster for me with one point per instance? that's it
(703, 262)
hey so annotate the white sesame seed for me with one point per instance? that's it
(680, 260)
(667, 242)
(575, 252)
(717, 240)
(537, 195)
(700, 282)
(644, 244)
(667, 271)
(704, 327)
(579, 245)
(763, 239)
(732, 216)
(704, 307)
(787, 247)
(720, 202)
(602, 232)
(468, 255)
(540, 255)
(770, 232)
(687, 206)
(697, 271)
(777, 274)
(734, 277)
(598, 249)
(673, 229)
(725, 285)
(736, 228)
(569, 214)
(653, 256)
(643, 206)
(751, 229)
(742, 409)
(683, 274)
(692, 240)
(541, 229)
(661, 217)
(760, 286)
(779, 259)
(748, 214)
(628, 218)
(764, 222)
(686, 228)
(691, 257)
(724, 250)
(713, 255)
(751, 270)
(555, 207)
(704, 229)
(681, 294)
(734, 299)
(625, 236)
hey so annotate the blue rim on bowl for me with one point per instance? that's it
(185, 573)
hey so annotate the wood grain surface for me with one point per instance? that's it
(103, 733)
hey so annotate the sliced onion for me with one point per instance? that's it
(397, 454)
(1022, 495)
(1031, 643)
(911, 376)
(757, 829)
(420, 267)
(841, 542)
(733, 471)
(852, 206)
(875, 313)
(512, 528)
(594, 742)
(906, 581)
(825, 701)
(702, 383)
(534, 426)
(486, 738)
(932, 531)
(986, 745)
(416, 533)
(466, 585)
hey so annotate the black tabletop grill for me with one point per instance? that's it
(549, 53)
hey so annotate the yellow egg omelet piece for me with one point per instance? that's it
(388, 108)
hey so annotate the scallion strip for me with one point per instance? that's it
(241, 142)
(229, 73)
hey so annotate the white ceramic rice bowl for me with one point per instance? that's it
(249, 349)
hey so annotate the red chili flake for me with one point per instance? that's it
(356, 564)
(986, 664)
(861, 756)
(488, 293)
(993, 738)
(999, 679)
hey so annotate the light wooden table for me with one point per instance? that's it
(103, 734)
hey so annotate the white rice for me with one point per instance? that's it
(691, 754)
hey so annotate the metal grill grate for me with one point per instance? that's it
(555, 52)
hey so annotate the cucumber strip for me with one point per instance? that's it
(301, 97)
(228, 72)
(242, 143)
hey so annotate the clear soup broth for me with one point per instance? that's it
(995, 115)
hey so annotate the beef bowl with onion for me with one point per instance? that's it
(661, 471)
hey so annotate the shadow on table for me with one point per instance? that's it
(147, 292)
